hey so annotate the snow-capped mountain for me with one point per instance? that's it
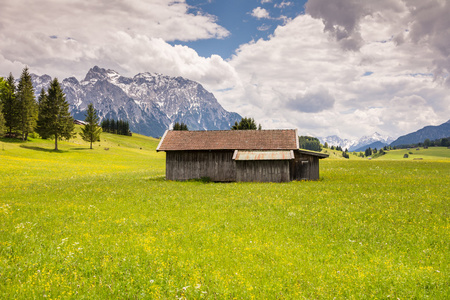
(353, 145)
(334, 140)
(371, 139)
(150, 102)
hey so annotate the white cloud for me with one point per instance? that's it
(394, 80)
(313, 100)
(67, 38)
(265, 1)
(158, 56)
(260, 13)
(264, 27)
(301, 78)
(283, 4)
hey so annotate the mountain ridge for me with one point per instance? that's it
(428, 132)
(150, 102)
(355, 145)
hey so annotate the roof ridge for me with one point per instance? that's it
(230, 130)
(269, 139)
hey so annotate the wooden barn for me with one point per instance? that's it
(238, 155)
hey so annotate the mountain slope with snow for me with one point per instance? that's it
(151, 103)
(355, 145)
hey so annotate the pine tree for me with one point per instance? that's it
(112, 126)
(54, 117)
(127, 128)
(180, 126)
(245, 124)
(2, 119)
(91, 131)
(41, 99)
(10, 106)
(105, 125)
(26, 104)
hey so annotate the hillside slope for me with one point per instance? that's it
(428, 132)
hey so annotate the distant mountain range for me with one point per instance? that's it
(428, 132)
(151, 103)
(356, 145)
(378, 141)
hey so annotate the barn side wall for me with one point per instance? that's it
(304, 167)
(185, 165)
(262, 171)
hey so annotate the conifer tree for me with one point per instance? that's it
(10, 105)
(2, 119)
(41, 99)
(245, 124)
(180, 126)
(54, 117)
(91, 131)
(26, 104)
(105, 125)
(112, 126)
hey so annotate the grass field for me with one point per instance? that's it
(89, 224)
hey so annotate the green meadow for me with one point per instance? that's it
(104, 223)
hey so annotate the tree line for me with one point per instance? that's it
(19, 109)
(309, 143)
(116, 126)
(21, 114)
(443, 142)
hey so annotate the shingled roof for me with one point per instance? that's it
(176, 140)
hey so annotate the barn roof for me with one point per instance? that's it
(263, 155)
(313, 153)
(176, 140)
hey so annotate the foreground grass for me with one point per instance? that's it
(82, 223)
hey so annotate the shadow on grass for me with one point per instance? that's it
(156, 178)
(81, 149)
(12, 140)
(42, 149)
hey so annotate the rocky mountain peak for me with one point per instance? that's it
(98, 73)
(150, 102)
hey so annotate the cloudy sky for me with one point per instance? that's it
(344, 67)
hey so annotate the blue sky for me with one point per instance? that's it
(341, 67)
(236, 16)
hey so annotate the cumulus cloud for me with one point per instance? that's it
(422, 22)
(158, 56)
(312, 101)
(260, 13)
(394, 80)
(342, 17)
(68, 38)
(302, 78)
(430, 27)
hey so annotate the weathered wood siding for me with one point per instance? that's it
(185, 165)
(304, 167)
(262, 170)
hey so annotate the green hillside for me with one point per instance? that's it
(432, 153)
(105, 224)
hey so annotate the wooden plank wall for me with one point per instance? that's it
(185, 165)
(263, 171)
(304, 167)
